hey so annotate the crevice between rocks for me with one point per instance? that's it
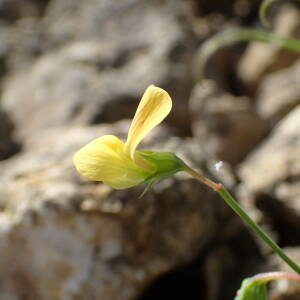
(215, 274)
(284, 220)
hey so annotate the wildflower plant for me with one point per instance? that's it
(121, 165)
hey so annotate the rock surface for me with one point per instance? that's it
(91, 78)
(284, 289)
(262, 58)
(270, 180)
(83, 240)
(228, 125)
(279, 93)
(279, 153)
(71, 71)
(8, 145)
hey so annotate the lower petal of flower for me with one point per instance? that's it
(104, 159)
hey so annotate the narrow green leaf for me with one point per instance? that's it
(262, 12)
(229, 37)
(165, 164)
(147, 188)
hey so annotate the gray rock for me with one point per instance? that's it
(21, 41)
(270, 181)
(8, 145)
(279, 93)
(65, 238)
(226, 126)
(284, 289)
(11, 10)
(277, 159)
(261, 59)
(98, 59)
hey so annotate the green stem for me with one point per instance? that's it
(223, 192)
(264, 236)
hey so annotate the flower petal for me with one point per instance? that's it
(103, 159)
(155, 105)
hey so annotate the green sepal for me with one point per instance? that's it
(252, 289)
(147, 188)
(166, 163)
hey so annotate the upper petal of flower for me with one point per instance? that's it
(104, 159)
(155, 105)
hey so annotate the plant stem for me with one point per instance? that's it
(215, 186)
(276, 275)
(256, 228)
(223, 192)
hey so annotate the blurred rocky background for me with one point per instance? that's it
(74, 70)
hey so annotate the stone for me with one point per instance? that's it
(278, 93)
(227, 127)
(11, 10)
(264, 58)
(284, 289)
(278, 153)
(75, 70)
(269, 177)
(84, 76)
(21, 36)
(8, 144)
(66, 238)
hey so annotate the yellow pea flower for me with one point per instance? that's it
(119, 164)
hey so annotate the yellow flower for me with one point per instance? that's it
(119, 164)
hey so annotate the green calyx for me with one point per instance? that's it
(164, 163)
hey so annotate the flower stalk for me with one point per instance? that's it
(120, 165)
(228, 198)
(276, 275)
(215, 186)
